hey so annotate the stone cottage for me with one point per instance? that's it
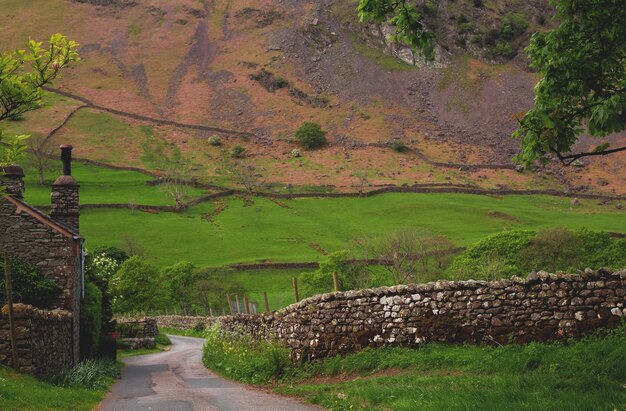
(51, 242)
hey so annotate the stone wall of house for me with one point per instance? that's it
(44, 339)
(542, 307)
(26, 239)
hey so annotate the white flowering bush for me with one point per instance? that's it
(103, 267)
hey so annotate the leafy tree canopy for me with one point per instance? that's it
(582, 64)
(23, 73)
(583, 86)
(136, 286)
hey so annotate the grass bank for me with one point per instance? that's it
(583, 375)
(78, 389)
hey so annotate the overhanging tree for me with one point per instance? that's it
(582, 64)
(23, 73)
(583, 86)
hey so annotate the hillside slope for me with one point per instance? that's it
(264, 66)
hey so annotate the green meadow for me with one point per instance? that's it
(225, 232)
(100, 185)
(296, 229)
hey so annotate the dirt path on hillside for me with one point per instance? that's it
(176, 380)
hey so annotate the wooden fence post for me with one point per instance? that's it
(9, 291)
(294, 282)
(246, 304)
(237, 301)
(335, 281)
(267, 303)
(230, 306)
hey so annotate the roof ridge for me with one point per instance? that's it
(42, 217)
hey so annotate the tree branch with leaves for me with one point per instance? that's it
(23, 73)
(582, 63)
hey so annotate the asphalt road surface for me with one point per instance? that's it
(176, 380)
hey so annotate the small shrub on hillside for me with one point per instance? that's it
(280, 82)
(311, 136)
(29, 285)
(398, 146)
(478, 3)
(504, 49)
(491, 37)
(238, 152)
(92, 374)
(214, 141)
(465, 28)
(513, 25)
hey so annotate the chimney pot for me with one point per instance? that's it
(64, 206)
(66, 159)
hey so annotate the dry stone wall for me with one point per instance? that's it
(542, 307)
(44, 339)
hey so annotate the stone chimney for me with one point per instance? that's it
(64, 205)
(12, 177)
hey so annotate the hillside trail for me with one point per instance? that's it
(176, 380)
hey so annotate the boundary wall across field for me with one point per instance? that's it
(542, 307)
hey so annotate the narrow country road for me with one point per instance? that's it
(176, 380)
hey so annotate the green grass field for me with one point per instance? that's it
(24, 392)
(99, 185)
(266, 231)
(295, 230)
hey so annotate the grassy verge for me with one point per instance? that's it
(583, 375)
(78, 389)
